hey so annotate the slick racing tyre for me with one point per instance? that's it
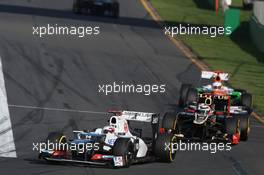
(183, 93)
(191, 96)
(246, 100)
(244, 127)
(169, 121)
(124, 147)
(164, 151)
(56, 138)
(232, 125)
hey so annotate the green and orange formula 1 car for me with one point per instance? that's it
(238, 97)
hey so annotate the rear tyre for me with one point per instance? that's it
(163, 153)
(183, 93)
(246, 100)
(124, 147)
(191, 96)
(169, 121)
(244, 127)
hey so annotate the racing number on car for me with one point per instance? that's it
(208, 100)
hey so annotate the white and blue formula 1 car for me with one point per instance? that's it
(116, 145)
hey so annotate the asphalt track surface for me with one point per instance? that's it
(64, 72)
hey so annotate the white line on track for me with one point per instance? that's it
(56, 109)
(7, 144)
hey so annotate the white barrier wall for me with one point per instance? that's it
(259, 11)
(7, 145)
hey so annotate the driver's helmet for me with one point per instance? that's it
(119, 123)
(217, 85)
(202, 114)
(108, 129)
(203, 110)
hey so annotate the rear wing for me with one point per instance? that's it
(217, 74)
(140, 116)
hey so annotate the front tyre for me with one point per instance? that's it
(169, 121)
(56, 137)
(232, 126)
(183, 93)
(124, 147)
(244, 127)
(192, 96)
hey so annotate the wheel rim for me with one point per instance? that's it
(248, 127)
(62, 139)
(238, 127)
(172, 155)
(174, 124)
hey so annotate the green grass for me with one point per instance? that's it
(236, 54)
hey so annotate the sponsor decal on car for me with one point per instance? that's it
(118, 161)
